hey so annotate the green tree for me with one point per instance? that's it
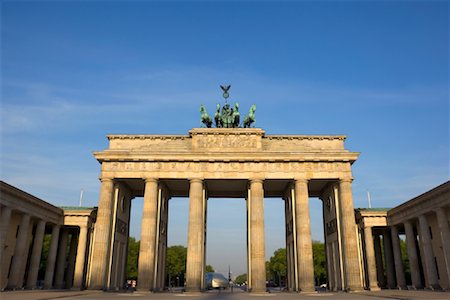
(320, 273)
(209, 268)
(176, 264)
(241, 279)
(277, 266)
(133, 258)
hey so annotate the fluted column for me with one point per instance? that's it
(102, 242)
(4, 225)
(430, 267)
(370, 258)
(78, 280)
(349, 239)
(379, 261)
(36, 255)
(51, 258)
(146, 269)
(304, 242)
(445, 239)
(389, 259)
(398, 261)
(412, 256)
(19, 258)
(71, 260)
(196, 233)
(61, 260)
(257, 248)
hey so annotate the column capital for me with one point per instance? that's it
(193, 180)
(105, 179)
(256, 180)
(346, 179)
(150, 179)
(301, 180)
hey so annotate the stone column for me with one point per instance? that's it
(370, 259)
(71, 260)
(430, 267)
(20, 251)
(445, 239)
(4, 225)
(36, 255)
(349, 239)
(61, 260)
(304, 242)
(146, 268)
(78, 280)
(412, 255)
(379, 262)
(196, 233)
(51, 258)
(398, 261)
(389, 259)
(102, 242)
(257, 250)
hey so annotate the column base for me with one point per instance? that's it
(374, 289)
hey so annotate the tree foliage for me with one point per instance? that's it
(176, 264)
(209, 268)
(277, 266)
(320, 271)
(241, 279)
(133, 258)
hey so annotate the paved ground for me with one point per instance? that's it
(224, 295)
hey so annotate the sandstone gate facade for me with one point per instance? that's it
(220, 162)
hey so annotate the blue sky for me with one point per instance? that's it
(74, 71)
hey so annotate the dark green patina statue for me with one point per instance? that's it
(229, 117)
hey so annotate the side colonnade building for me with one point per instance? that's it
(423, 224)
(26, 223)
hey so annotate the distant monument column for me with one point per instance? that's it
(19, 258)
(257, 250)
(379, 261)
(36, 255)
(370, 258)
(51, 258)
(389, 259)
(445, 238)
(430, 266)
(78, 280)
(61, 261)
(195, 250)
(349, 239)
(398, 261)
(102, 242)
(4, 225)
(412, 255)
(146, 269)
(304, 242)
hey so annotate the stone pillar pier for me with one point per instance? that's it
(36, 255)
(445, 239)
(78, 280)
(304, 242)
(20, 254)
(389, 259)
(257, 249)
(4, 225)
(146, 269)
(51, 258)
(430, 267)
(61, 261)
(370, 258)
(71, 260)
(412, 256)
(379, 261)
(196, 233)
(102, 242)
(398, 261)
(349, 239)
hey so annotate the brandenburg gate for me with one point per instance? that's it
(225, 162)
